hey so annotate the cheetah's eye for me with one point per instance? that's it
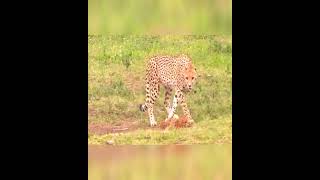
(186, 78)
(192, 78)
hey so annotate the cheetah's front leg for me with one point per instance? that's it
(174, 104)
(167, 99)
(186, 112)
(179, 98)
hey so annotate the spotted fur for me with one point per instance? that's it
(175, 73)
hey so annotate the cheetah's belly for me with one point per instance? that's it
(171, 83)
(168, 83)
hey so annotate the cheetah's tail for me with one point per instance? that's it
(143, 107)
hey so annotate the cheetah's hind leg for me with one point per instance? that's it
(151, 96)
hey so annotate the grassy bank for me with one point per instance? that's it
(116, 87)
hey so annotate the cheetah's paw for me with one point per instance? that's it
(153, 123)
(190, 122)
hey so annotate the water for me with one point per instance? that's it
(160, 162)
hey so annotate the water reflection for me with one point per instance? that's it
(160, 162)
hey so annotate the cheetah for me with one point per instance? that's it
(175, 73)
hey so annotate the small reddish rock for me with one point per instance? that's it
(180, 123)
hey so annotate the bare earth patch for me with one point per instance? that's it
(127, 126)
(106, 128)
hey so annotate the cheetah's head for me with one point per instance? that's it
(190, 76)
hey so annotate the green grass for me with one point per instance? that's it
(160, 16)
(116, 86)
(205, 132)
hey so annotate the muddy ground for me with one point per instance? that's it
(126, 126)
(106, 128)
